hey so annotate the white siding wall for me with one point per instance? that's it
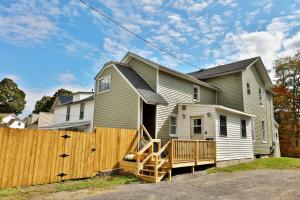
(233, 146)
(61, 111)
(195, 110)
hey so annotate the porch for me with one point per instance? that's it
(153, 161)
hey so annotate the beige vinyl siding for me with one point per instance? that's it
(232, 146)
(231, 94)
(252, 106)
(147, 72)
(117, 108)
(184, 129)
(174, 91)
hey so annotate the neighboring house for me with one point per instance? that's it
(11, 120)
(73, 113)
(36, 121)
(171, 104)
(246, 86)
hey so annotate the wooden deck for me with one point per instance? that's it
(153, 166)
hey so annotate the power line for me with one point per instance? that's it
(136, 35)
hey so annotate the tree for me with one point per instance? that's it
(46, 102)
(287, 103)
(12, 99)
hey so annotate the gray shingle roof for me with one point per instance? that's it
(221, 69)
(65, 99)
(150, 96)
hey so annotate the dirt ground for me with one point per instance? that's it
(262, 184)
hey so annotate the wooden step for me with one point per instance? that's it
(151, 179)
(152, 171)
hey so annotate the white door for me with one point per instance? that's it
(197, 131)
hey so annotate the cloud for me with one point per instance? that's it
(191, 5)
(66, 77)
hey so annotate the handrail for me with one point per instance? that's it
(163, 148)
(144, 148)
(147, 133)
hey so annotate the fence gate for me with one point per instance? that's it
(77, 156)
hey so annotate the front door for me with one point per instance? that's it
(197, 131)
(149, 113)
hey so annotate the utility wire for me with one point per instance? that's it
(136, 35)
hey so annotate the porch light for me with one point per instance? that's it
(208, 114)
(183, 116)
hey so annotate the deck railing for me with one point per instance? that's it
(192, 150)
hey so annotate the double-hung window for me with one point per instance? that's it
(223, 125)
(173, 124)
(196, 93)
(81, 114)
(68, 113)
(260, 96)
(248, 89)
(243, 128)
(197, 126)
(104, 84)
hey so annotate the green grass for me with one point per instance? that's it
(93, 184)
(266, 163)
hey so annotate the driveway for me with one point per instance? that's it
(263, 184)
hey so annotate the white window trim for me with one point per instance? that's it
(249, 88)
(242, 129)
(98, 84)
(198, 88)
(173, 115)
(202, 125)
(263, 139)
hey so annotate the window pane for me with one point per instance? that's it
(243, 128)
(173, 121)
(173, 130)
(197, 130)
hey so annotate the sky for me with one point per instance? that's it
(46, 45)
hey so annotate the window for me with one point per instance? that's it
(81, 114)
(173, 124)
(197, 126)
(68, 113)
(104, 84)
(243, 128)
(248, 89)
(223, 125)
(260, 96)
(196, 93)
(263, 131)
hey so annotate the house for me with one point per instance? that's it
(211, 104)
(246, 86)
(72, 112)
(36, 121)
(11, 120)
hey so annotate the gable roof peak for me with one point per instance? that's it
(224, 69)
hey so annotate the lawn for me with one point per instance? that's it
(93, 184)
(266, 163)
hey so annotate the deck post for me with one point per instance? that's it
(171, 153)
(170, 174)
(156, 167)
(193, 169)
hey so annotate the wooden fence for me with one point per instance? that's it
(29, 157)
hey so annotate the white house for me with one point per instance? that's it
(11, 120)
(36, 121)
(231, 129)
(73, 113)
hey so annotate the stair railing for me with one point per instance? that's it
(157, 157)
